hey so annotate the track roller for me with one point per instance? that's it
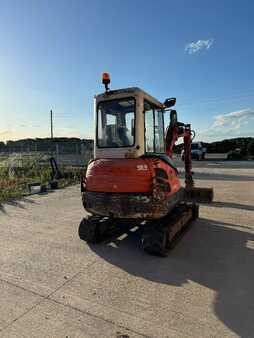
(159, 236)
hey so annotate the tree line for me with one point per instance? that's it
(76, 145)
(246, 144)
(64, 145)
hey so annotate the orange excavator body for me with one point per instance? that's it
(144, 188)
(128, 176)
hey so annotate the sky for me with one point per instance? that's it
(53, 52)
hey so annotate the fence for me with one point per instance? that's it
(22, 158)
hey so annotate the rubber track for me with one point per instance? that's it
(156, 238)
(92, 229)
(96, 229)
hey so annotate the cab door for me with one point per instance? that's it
(154, 129)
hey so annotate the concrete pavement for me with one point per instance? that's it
(54, 285)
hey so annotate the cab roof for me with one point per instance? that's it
(130, 90)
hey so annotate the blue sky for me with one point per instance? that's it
(52, 54)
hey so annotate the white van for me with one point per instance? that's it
(198, 151)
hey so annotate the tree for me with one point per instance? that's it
(251, 147)
(2, 146)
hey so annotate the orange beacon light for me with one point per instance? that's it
(106, 80)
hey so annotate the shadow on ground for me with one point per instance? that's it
(230, 205)
(219, 177)
(16, 203)
(2, 209)
(213, 254)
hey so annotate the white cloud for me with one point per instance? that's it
(234, 119)
(194, 47)
(9, 134)
(229, 125)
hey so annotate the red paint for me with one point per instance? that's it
(127, 175)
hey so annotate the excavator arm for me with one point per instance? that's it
(174, 131)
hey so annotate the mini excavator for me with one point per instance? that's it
(132, 176)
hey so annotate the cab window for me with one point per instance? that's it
(116, 123)
(154, 129)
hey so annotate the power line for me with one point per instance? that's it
(65, 117)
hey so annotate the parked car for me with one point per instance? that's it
(198, 151)
(236, 154)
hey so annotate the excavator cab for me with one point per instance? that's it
(129, 124)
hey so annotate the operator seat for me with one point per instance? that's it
(109, 137)
(121, 131)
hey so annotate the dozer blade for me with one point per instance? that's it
(200, 195)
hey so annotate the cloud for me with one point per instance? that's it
(7, 134)
(194, 47)
(229, 125)
(234, 119)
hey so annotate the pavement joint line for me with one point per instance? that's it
(41, 295)
(101, 318)
(22, 315)
(37, 294)
(88, 313)
(44, 298)
(93, 315)
(22, 288)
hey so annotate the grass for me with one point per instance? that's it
(14, 180)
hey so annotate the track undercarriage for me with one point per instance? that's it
(158, 236)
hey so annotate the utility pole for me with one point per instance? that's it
(51, 124)
(52, 135)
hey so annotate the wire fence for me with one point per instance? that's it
(20, 159)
